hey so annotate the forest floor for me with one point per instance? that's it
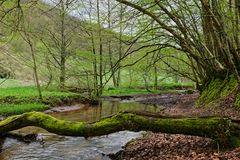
(155, 146)
(183, 105)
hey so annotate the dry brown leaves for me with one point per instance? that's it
(175, 147)
(180, 147)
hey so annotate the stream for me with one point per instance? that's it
(55, 147)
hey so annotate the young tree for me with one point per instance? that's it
(58, 35)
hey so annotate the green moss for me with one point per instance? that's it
(218, 89)
(211, 92)
(215, 128)
(55, 125)
(237, 102)
(235, 142)
(230, 86)
(106, 126)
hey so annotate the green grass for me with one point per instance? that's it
(18, 100)
(131, 91)
(30, 92)
(11, 109)
(30, 95)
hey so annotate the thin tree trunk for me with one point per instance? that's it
(120, 45)
(109, 47)
(63, 54)
(155, 78)
(35, 70)
(95, 69)
(27, 38)
(100, 49)
(94, 63)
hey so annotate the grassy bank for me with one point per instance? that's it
(137, 91)
(18, 100)
(127, 91)
(30, 94)
(10, 109)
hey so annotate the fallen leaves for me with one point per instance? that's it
(174, 147)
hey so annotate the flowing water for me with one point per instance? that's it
(57, 147)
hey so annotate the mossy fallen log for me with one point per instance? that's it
(216, 128)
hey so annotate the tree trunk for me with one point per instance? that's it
(110, 46)
(100, 49)
(94, 63)
(63, 54)
(219, 129)
(120, 44)
(155, 78)
(27, 38)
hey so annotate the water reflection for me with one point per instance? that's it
(60, 147)
(104, 109)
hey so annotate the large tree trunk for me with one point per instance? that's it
(219, 129)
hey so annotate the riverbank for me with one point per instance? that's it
(19, 100)
(156, 146)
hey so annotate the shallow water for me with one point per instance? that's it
(67, 148)
(104, 109)
(75, 148)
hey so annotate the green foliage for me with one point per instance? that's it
(79, 63)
